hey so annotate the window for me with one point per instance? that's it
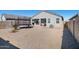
(36, 21)
(49, 20)
(57, 20)
(43, 20)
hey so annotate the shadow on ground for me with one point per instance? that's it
(69, 42)
(6, 45)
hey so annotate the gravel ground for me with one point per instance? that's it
(35, 38)
(69, 42)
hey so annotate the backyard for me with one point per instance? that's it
(37, 37)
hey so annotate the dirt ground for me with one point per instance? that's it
(35, 38)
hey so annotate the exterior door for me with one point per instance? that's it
(43, 21)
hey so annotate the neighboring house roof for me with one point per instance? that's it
(49, 13)
(14, 17)
(24, 17)
(10, 16)
(74, 17)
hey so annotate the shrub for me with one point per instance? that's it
(51, 26)
(13, 31)
(14, 28)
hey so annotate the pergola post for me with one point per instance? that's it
(40, 22)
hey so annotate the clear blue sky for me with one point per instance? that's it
(65, 13)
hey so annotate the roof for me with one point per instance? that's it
(10, 16)
(74, 17)
(14, 17)
(52, 13)
(23, 17)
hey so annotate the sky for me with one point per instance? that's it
(67, 14)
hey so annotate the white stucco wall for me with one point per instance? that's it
(51, 17)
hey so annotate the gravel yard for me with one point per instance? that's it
(35, 38)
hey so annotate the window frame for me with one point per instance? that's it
(57, 20)
(49, 20)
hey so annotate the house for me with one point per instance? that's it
(73, 26)
(10, 20)
(44, 18)
(47, 19)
